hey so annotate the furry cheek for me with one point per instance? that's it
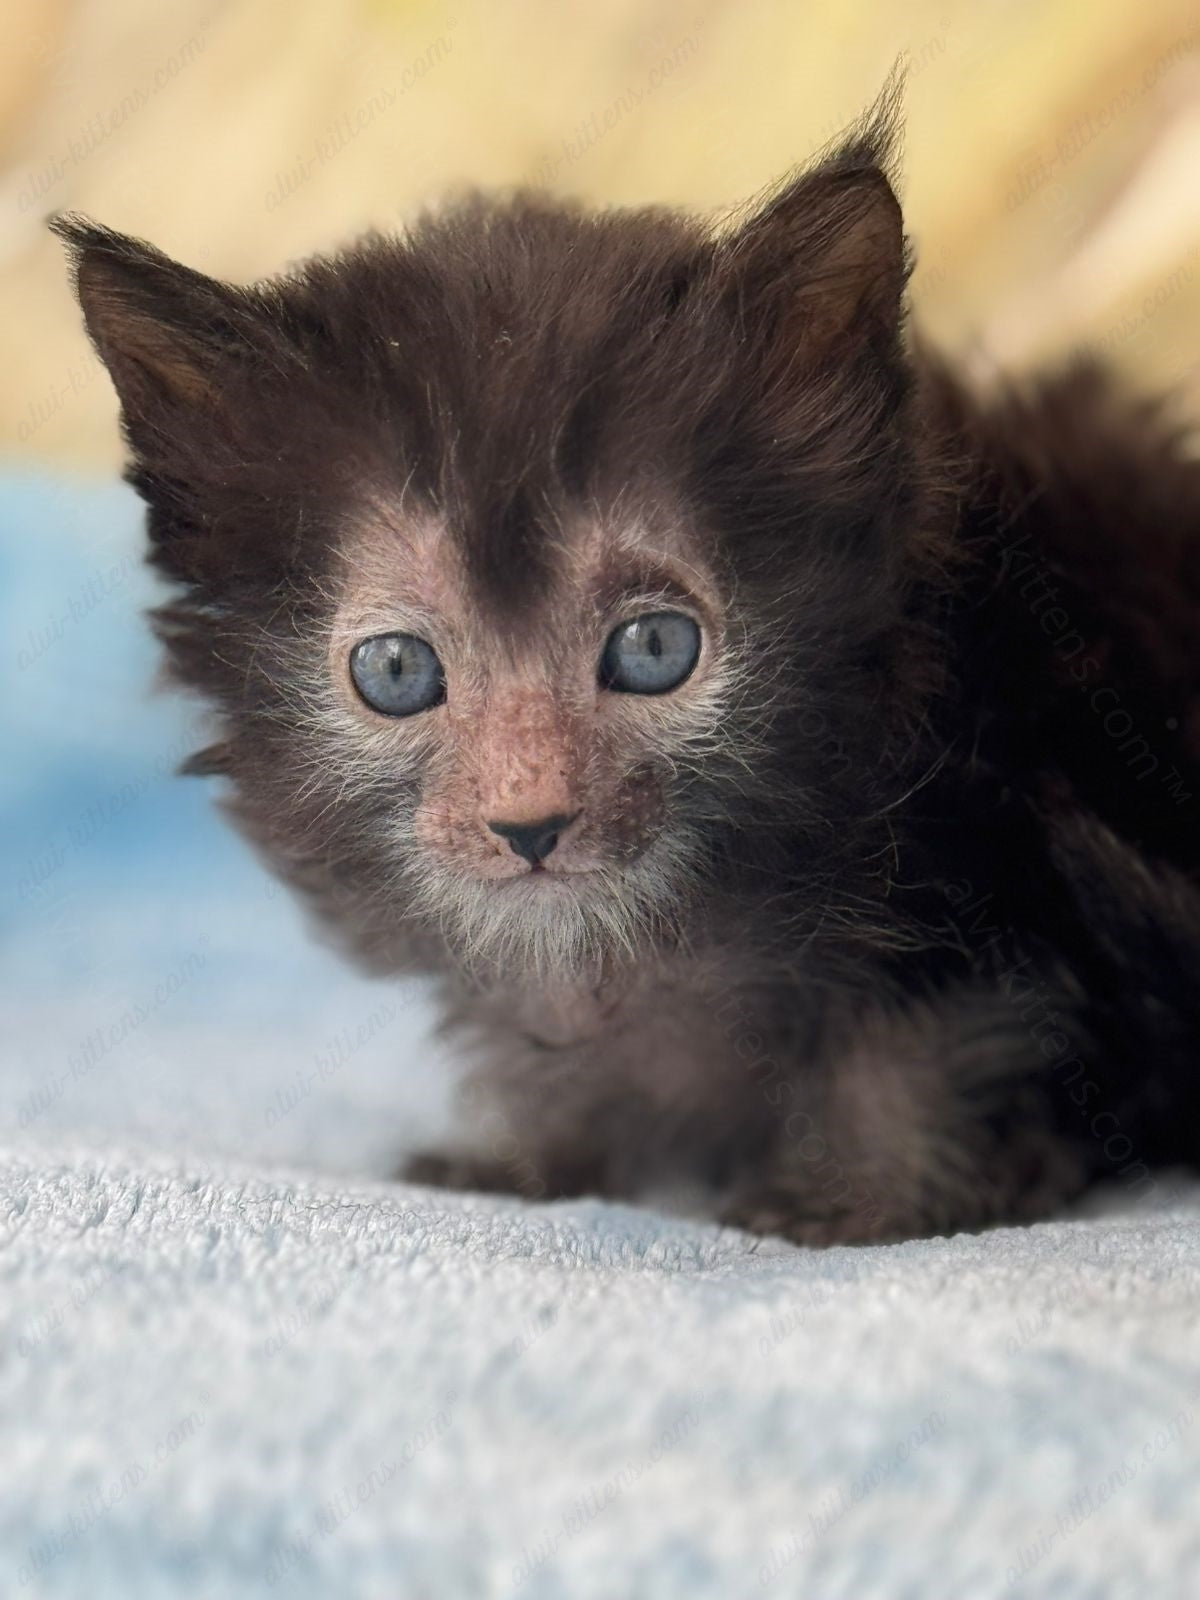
(448, 830)
(633, 817)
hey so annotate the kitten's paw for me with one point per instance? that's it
(543, 1177)
(436, 1169)
(780, 1215)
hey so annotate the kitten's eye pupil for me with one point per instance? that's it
(397, 674)
(650, 655)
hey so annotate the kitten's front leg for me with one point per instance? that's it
(532, 1173)
(930, 1121)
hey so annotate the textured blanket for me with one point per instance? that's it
(236, 1361)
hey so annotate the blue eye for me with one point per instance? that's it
(397, 674)
(651, 654)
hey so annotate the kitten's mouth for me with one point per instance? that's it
(543, 875)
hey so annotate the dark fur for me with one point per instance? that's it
(943, 969)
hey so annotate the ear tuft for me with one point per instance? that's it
(821, 264)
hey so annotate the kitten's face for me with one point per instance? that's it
(531, 563)
(548, 799)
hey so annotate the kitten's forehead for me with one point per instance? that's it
(410, 566)
(522, 361)
(519, 550)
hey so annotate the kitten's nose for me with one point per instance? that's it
(534, 840)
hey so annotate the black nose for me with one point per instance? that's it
(533, 840)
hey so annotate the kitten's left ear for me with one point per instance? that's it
(821, 268)
(170, 337)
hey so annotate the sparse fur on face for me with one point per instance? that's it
(763, 920)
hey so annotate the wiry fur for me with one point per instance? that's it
(876, 924)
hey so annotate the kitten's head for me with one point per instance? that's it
(537, 562)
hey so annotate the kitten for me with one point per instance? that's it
(782, 759)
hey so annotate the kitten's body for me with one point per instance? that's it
(888, 919)
(1005, 1004)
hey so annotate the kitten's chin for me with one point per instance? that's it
(550, 927)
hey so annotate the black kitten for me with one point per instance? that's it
(783, 759)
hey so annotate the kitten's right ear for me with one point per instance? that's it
(165, 332)
(820, 269)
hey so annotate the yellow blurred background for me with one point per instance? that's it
(1051, 158)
